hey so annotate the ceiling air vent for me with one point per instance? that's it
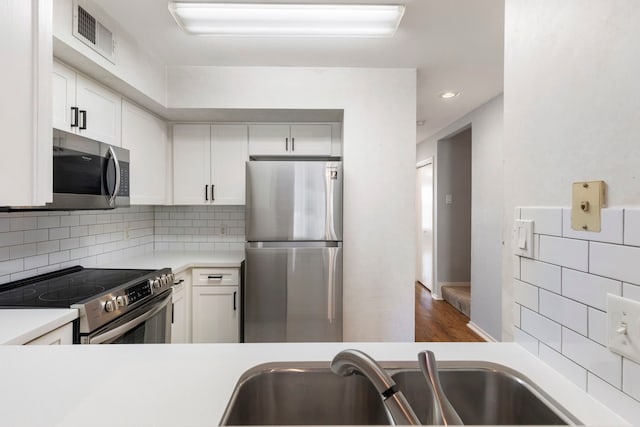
(88, 28)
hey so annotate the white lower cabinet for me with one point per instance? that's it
(181, 308)
(216, 305)
(62, 335)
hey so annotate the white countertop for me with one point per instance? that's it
(180, 260)
(19, 326)
(190, 384)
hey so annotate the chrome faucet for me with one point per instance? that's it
(349, 362)
(442, 411)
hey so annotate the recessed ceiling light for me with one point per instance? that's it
(282, 19)
(449, 95)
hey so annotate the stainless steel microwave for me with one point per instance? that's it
(88, 174)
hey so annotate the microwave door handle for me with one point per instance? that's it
(120, 330)
(116, 190)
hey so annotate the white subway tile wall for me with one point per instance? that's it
(33, 243)
(561, 298)
(199, 228)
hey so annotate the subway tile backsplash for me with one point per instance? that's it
(560, 299)
(33, 243)
(199, 228)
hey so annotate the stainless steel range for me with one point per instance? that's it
(115, 305)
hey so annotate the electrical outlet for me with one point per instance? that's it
(223, 229)
(126, 232)
(623, 318)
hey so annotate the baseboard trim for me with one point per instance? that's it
(478, 330)
(436, 297)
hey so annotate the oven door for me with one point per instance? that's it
(149, 324)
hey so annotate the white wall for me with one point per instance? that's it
(136, 73)
(379, 158)
(571, 113)
(486, 209)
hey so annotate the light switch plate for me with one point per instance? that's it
(623, 319)
(587, 201)
(522, 239)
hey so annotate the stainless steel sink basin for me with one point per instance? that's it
(303, 394)
(484, 396)
(310, 394)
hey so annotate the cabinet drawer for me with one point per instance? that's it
(216, 277)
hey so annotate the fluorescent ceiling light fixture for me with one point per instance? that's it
(282, 19)
(449, 95)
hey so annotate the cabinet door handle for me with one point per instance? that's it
(215, 277)
(235, 307)
(178, 282)
(213, 194)
(74, 117)
(172, 305)
(293, 144)
(83, 126)
(286, 144)
(206, 193)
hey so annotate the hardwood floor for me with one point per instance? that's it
(439, 321)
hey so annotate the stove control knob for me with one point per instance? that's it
(110, 306)
(156, 283)
(172, 278)
(122, 301)
(165, 280)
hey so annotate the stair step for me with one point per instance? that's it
(459, 297)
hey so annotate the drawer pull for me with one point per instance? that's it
(216, 277)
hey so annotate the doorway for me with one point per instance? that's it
(424, 188)
(453, 228)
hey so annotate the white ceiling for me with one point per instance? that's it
(455, 45)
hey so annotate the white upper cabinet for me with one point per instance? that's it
(145, 136)
(311, 140)
(84, 107)
(209, 164)
(228, 157)
(290, 140)
(25, 104)
(268, 140)
(191, 164)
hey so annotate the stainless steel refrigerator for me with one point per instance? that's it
(293, 278)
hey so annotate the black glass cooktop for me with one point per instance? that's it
(61, 289)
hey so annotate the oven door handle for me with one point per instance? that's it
(114, 333)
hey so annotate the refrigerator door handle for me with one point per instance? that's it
(331, 285)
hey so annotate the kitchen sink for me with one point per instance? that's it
(308, 393)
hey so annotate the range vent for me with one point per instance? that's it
(92, 32)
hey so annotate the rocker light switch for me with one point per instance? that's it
(523, 238)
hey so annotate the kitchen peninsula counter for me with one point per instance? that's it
(190, 384)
